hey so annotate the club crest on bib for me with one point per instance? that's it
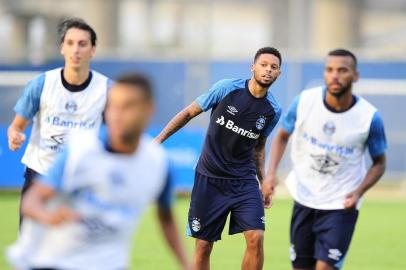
(260, 122)
(329, 128)
(71, 106)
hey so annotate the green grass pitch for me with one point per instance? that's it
(379, 242)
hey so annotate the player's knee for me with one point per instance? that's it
(321, 265)
(255, 240)
(203, 248)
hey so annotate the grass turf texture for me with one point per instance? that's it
(379, 241)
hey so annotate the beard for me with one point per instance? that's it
(342, 91)
(131, 136)
(262, 84)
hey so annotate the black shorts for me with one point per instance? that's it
(213, 199)
(44, 268)
(29, 176)
(320, 235)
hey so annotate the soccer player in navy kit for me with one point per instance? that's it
(244, 112)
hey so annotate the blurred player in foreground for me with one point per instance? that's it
(82, 214)
(59, 101)
(331, 129)
(243, 114)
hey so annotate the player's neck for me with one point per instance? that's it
(256, 89)
(76, 76)
(340, 103)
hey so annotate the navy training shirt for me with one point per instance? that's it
(237, 120)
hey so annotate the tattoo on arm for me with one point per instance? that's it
(259, 158)
(179, 121)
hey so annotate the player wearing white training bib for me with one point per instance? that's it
(59, 101)
(57, 110)
(82, 214)
(331, 131)
(109, 192)
(327, 149)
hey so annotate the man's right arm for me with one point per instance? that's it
(26, 108)
(15, 132)
(278, 147)
(44, 189)
(179, 121)
(33, 206)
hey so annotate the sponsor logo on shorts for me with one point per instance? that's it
(334, 254)
(196, 226)
(263, 219)
(292, 252)
(234, 128)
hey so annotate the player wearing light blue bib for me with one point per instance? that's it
(82, 214)
(60, 101)
(331, 129)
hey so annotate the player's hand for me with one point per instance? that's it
(158, 140)
(268, 190)
(351, 199)
(61, 215)
(15, 140)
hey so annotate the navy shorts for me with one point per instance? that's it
(213, 199)
(320, 235)
(29, 176)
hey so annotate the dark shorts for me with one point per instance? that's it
(29, 176)
(44, 269)
(320, 235)
(213, 199)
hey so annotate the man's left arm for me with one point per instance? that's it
(259, 151)
(168, 224)
(375, 172)
(376, 143)
(259, 157)
(171, 233)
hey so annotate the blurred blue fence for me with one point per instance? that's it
(178, 82)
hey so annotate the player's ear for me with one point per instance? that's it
(61, 49)
(279, 72)
(356, 76)
(252, 67)
(93, 52)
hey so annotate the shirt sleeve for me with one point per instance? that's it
(28, 104)
(165, 199)
(110, 83)
(215, 94)
(376, 141)
(289, 120)
(54, 176)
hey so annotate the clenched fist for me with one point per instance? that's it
(15, 140)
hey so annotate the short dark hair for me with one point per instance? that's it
(139, 81)
(268, 50)
(78, 23)
(344, 52)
